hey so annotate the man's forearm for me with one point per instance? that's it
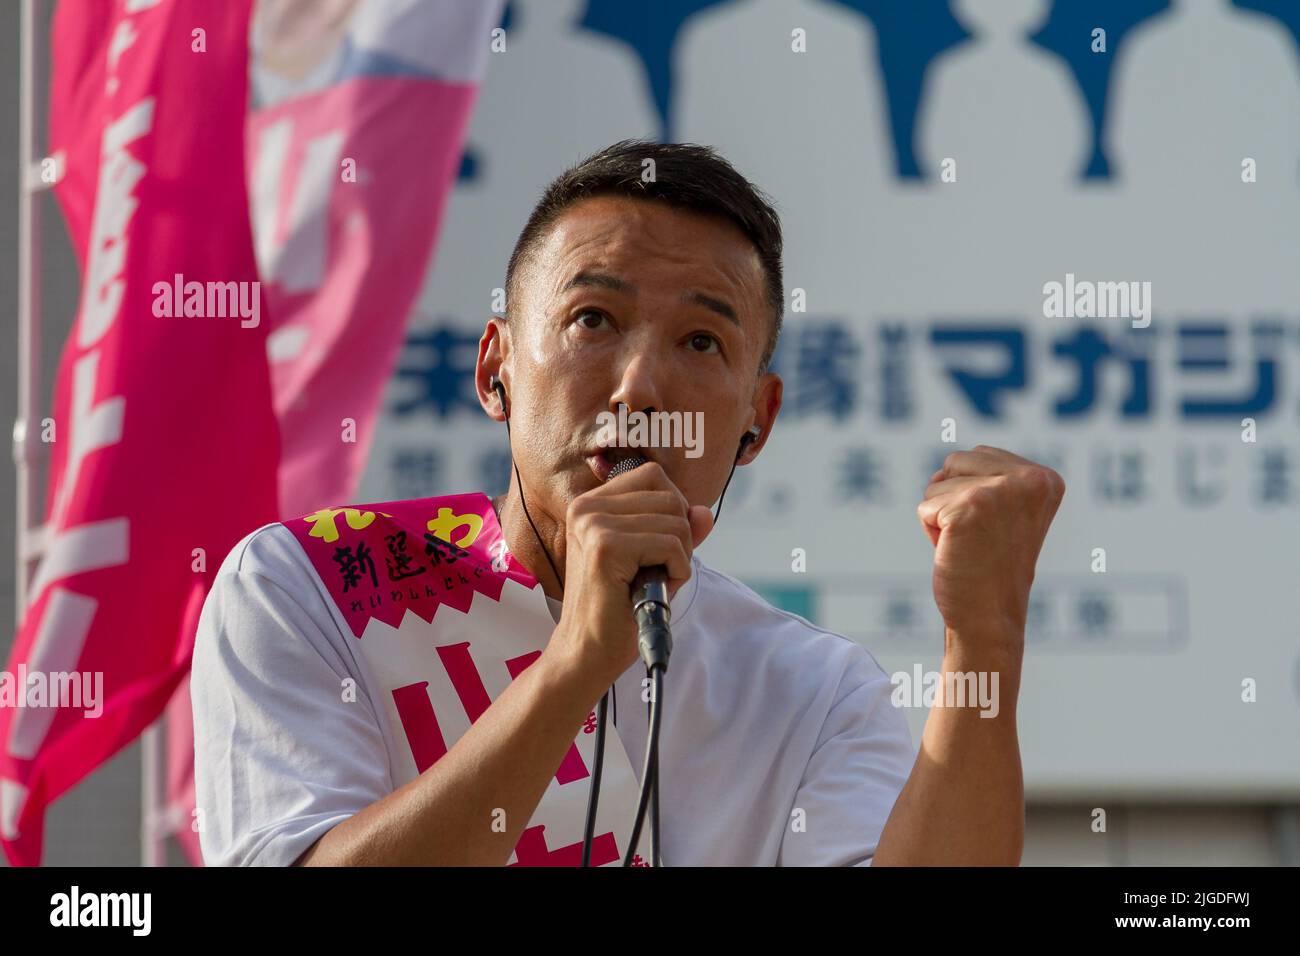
(964, 802)
(471, 806)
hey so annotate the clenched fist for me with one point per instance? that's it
(987, 512)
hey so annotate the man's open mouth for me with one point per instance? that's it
(602, 460)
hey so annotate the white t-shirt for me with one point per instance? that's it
(779, 742)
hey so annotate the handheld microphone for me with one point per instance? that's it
(649, 598)
(655, 642)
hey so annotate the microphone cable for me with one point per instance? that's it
(649, 775)
(655, 670)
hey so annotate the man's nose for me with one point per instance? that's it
(638, 387)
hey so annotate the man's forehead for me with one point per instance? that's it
(618, 237)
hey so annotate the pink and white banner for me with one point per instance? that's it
(353, 141)
(254, 191)
(163, 441)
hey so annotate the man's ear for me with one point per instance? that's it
(493, 349)
(767, 403)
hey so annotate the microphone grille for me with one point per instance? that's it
(626, 465)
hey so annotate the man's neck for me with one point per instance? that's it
(523, 543)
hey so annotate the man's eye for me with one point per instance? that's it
(590, 314)
(708, 340)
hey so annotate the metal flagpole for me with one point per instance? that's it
(153, 829)
(27, 449)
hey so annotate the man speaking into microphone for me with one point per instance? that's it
(647, 281)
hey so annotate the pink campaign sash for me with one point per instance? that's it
(477, 620)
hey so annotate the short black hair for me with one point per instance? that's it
(687, 176)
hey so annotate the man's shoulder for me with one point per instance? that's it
(266, 569)
(735, 608)
(269, 551)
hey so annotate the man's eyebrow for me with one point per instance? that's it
(604, 280)
(709, 302)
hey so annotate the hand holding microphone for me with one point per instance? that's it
(635, 520)
(628, 549)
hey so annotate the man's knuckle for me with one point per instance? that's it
(983, 497)
(1040, 481)
(585, 520)
(1057, 483)
(601, 543)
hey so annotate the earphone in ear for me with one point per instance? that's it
(498, 386)
(751, 435)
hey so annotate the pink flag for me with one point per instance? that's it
(166, 449)
(357, 124)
